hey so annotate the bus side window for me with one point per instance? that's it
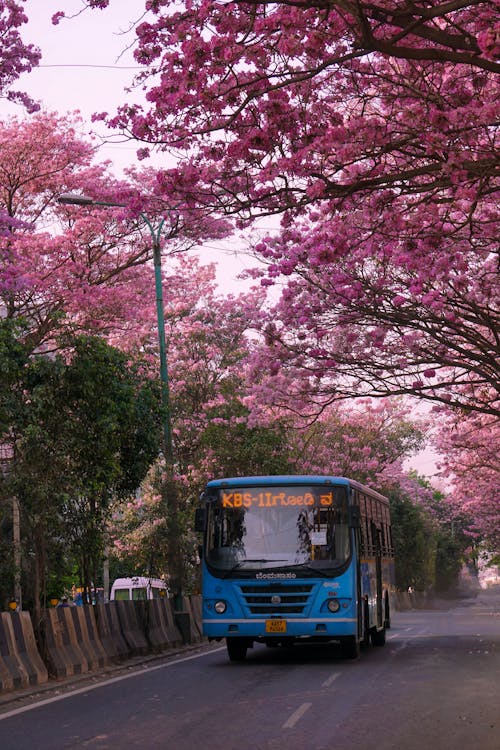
(386, 530)
(364, 524)
(376, 540)
(382, 536)
(369, 526)
(390, 542)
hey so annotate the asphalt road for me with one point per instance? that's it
(434, 686)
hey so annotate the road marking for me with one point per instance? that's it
(104, 683)
(298, 714)
(331, 679)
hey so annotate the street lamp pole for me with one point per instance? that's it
(83, 200)
(169, 490)
(165, 387)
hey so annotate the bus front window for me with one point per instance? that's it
(278, 527)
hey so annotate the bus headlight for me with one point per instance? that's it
(333, 605)
(220, 607)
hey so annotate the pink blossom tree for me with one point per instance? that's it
(16, 57)
(82, 269)
(469, 449)
(371, 129)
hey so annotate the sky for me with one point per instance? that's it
(87, 63)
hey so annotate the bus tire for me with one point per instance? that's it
(350, 647)
(236, 649)
(378, 637)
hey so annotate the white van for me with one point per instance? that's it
(138, 588)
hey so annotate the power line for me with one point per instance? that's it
(89, 65)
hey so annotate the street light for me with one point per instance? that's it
(83, 200)
(175, 553)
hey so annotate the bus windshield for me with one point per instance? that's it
(252, 528)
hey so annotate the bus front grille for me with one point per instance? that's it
(276, 598)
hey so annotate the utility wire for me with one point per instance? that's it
(89, 65)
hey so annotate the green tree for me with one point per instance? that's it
(454, 546)
(90, 429)
(415, 544)
(13, 358)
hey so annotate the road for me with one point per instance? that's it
(434, 686)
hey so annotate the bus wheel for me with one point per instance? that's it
(350, 647)
(236, 648)
(378, 637)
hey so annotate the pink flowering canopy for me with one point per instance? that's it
(469, 447)
(80, 268)
(371, 128)
(16, 57)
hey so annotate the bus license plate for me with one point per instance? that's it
(275, 626)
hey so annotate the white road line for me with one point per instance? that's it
(94, 686)
(298, 714)
(331, 679)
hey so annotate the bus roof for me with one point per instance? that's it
(289, 479)
(139, 581)
(275, 480)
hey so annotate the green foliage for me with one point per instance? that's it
(240, 450)
(13, 357)
(449, 560)
(453, 542)
(415, 544)
(87, 433)
(431, 545)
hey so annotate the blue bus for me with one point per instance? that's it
(288, 559)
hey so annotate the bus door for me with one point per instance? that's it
(376, 536)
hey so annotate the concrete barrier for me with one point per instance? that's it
(13, 673)
(110, 634)
(186, 622)
(87, 636)
(196, 610)
(6, 679)
(63, 654)
(132, 627)
(27, 648)
(403, 602)
(77, 640)
(406, 600)
(154, 625)
(161, 630)
(167, 612)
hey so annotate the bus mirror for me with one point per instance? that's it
(200, 519)
(354, 517)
